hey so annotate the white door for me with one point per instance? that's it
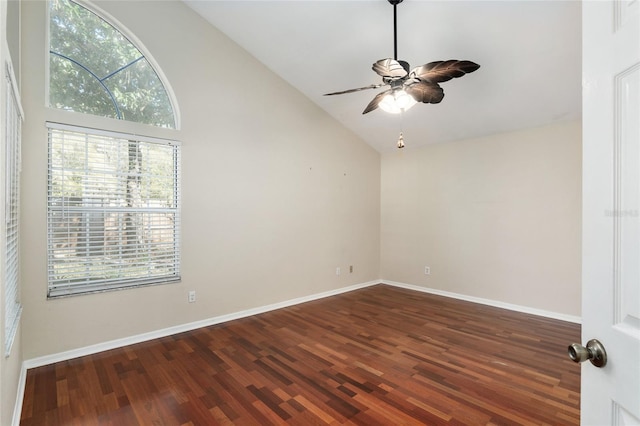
(611, 210)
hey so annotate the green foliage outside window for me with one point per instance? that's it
(95, 69)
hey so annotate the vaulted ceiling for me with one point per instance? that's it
(529, 52)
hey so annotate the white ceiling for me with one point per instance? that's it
(529, 52)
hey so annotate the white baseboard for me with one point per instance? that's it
(118, 343)
(489, 302)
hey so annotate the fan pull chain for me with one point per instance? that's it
(401, 137)
(400, 141)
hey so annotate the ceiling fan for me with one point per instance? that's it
(406, 88)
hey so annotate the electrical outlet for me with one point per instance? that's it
(427, 270)
(192, 296)
(338, 270)
(351, 269)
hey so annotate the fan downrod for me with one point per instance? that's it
(395, 27)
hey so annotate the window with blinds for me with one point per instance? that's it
(113, 211)
(13, 133)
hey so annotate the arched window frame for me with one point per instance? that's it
(133, 39)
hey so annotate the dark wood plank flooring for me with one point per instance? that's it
(376, 356)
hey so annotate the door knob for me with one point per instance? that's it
(594, 352)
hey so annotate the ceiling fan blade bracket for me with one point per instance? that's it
(397, 84)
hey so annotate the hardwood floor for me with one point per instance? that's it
(377, 356)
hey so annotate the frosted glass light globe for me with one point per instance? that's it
(397, 102)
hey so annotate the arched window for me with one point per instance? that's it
(95, 69)
(113, 199)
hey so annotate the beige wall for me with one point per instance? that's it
(13, 34)
(496, 217)
(9, 365)
(276, 194)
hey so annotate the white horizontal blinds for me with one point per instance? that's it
(113, 211)
(13, 132)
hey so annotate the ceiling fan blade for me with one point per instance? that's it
(374, 103)
(425, 92)
(373, 86)
(439, 71)
(390, 68)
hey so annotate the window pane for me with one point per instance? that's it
(113, 212)
(136, 83)
(75, 89)
(95, 69)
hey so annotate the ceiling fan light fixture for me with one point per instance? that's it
(409, 86)
(397, 102)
